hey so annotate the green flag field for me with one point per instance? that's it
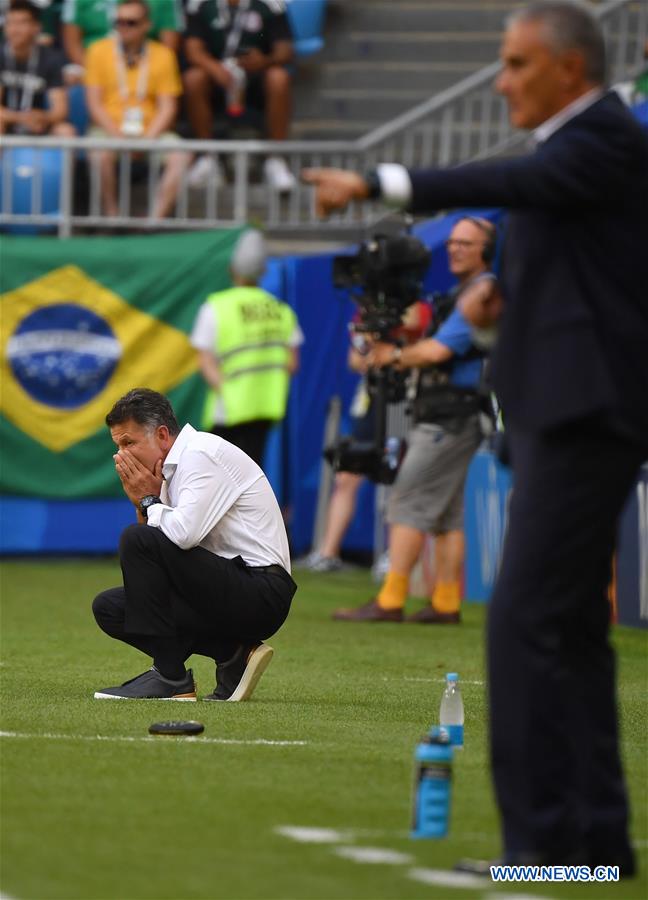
(303, 792)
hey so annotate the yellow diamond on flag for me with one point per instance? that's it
(71, 348)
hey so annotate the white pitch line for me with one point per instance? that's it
(445, 878)
(495, 896)
(159, 739)
(305, 835)
(374, 855)
(433, 680)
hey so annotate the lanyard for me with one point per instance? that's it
(234, 37)
(27, 90)
(142, 76)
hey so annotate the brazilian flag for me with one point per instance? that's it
(82, 321)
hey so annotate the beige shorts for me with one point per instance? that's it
(96, 132)
(428, 493)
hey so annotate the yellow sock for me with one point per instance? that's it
(446, 597)
(393, 593)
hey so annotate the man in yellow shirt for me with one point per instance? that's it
(132, 86)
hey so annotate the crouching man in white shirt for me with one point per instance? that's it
(206, 569)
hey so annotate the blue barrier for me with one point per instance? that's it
(488, 488)
(31, 525)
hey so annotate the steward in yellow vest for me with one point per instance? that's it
(247, 342)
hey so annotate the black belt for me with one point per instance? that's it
(273, 568)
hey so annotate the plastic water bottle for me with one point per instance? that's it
(451, 714)
(432, 786)
(236, 92)
(392, 452)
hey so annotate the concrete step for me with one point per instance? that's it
(394, 75)
(403, 15)
(395, 46)
(377, 104)
(307, 129)
(467, 136)
(389, 49)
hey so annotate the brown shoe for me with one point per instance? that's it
(430, 616)
(368, 612)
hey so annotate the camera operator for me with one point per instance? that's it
(428, 492)
(415, 322)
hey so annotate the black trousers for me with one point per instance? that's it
(554, 741)
(250, 437)
(178, 602)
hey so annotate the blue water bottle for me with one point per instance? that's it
(432, 783)
(451, 714)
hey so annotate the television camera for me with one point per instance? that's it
(384, 278)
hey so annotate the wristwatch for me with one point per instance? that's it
(397, 352)
(372, 180)
(147, 502)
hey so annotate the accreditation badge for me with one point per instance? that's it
(133, 121)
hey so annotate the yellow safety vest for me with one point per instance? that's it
(253, 332)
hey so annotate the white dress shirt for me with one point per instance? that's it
(214, 496)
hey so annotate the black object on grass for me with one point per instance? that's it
(172, 728)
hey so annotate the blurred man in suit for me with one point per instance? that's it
(571, 371)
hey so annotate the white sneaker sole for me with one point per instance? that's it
(99, 696)
(256, 666)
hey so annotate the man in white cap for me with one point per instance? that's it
(248, 345)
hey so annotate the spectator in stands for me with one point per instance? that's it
(238, 52)
(427, 495)
(248, 346)
(50, 11)
(325, 558)
(132, 88)
(32, 96)
(87, 21)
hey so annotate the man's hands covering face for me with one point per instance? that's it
(136, 479)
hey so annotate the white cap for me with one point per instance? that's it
(249, 257)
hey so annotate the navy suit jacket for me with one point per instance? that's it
(574, 335)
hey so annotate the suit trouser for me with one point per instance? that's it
(189, 601)
(554, 741)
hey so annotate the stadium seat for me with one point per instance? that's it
(78, 111)
(306, 20)
(20, 169)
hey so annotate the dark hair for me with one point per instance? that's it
(141, 3)
(569, 26)
(25, 6)
(145, 407)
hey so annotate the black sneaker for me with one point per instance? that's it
(237, 678)
(151, 685)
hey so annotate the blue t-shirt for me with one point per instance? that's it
(455, 335)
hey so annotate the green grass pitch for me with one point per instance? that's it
(91, 808)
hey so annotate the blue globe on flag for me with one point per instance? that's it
(63, 355)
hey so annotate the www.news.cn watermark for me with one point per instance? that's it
(554, 873)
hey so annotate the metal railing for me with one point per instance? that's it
(465, 122)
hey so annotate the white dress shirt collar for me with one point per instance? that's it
(170, 463)
(543, 132)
